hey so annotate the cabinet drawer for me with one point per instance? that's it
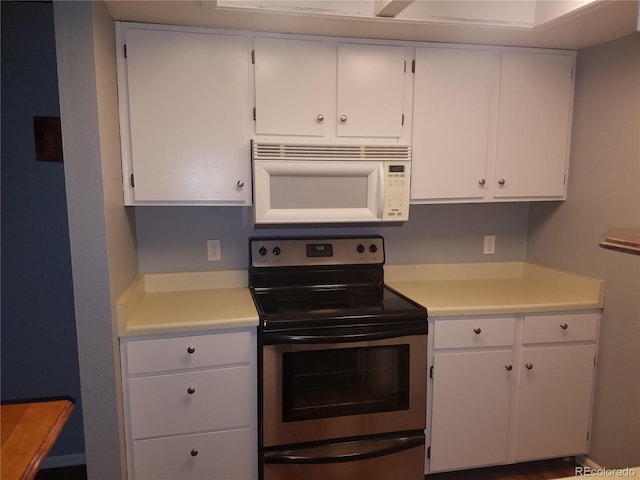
(227, 455)
(163, 405)
(482, 332)
(560, 328)
(196, 351)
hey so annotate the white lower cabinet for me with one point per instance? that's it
(191, 405)
(472, 429)
(510, 389)
(222, 455)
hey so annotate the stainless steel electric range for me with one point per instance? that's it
(343, 362)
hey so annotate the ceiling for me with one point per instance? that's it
(564, 24)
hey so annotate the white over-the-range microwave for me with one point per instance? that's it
(318, 184)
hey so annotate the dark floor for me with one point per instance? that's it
(78, 472)
(543, 470)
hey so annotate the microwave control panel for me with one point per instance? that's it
(397, 190)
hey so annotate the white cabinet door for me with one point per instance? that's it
(310, 88)
(451, 123)
(370, 90)
(554, 405)
(229, 455)
(180, 403)
(471, 395)
(534, 121)
(294, 84)
(189, 118)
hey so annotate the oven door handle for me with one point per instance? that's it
(346, 451)
(272, 338)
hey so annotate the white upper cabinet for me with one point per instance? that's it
(370, 90)
(294, 82)
(185, 117)
(491, 125)
(451, 123)
(323, 89)
(534, 125)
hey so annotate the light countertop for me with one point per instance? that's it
(182, 302)
(513, 287)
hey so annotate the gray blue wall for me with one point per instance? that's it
(604, 193)
(174, 239)
(39, 350)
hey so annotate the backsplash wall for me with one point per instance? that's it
(173, 239)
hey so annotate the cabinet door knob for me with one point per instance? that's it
(320, 117)
(240, 184)
(509, 367)
(191, 390)
(343, 118)
(529, 366)
(477, 331)
(564, 326)
(482, 181)
(194, 452)
(191, 349)
(501, 182)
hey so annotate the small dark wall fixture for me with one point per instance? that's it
(48, 138)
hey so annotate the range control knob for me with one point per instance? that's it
(373, 248)
(262, 251)
(277, 251)
(360, 248)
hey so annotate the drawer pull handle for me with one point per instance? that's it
(529, 366)
(194, 452)
(477, 331)
(191, 349)
(509, 367)
(564, 326)
(191, 390)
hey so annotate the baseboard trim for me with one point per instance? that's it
(70, 460)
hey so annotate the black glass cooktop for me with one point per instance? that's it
(327, 304)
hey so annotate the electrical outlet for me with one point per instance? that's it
(214, 254)
(489, 244)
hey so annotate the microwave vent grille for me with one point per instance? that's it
(286, 151)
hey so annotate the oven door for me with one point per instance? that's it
(319, 391)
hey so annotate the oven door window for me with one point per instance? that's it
(347, 381)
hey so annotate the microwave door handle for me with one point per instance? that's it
(345, 452)
(381, 188)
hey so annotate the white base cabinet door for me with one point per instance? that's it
(471, 395)
(221, 455)
(554, 401)
(190, 401)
